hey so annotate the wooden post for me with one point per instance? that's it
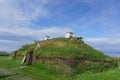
(29, 58)
(23, 60)
(15, 55)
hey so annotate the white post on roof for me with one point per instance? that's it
(34, 41)
(47, 37)
(69, 34)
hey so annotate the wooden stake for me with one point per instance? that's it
(29, 58)
(24, 60)
(15, 55)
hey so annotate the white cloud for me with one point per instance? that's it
(95, 39)
(104, 44)
(9, 45)
(103, 40)
(15, 21)
(34, 9)
(6, 41)
(26, 31)
(26, 35)
(11, 14)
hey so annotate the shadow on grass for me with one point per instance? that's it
(5, 76)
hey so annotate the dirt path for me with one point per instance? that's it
(7, 75)
(10, 73)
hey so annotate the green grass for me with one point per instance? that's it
(62, 47)
(48, 72)
(113, 74)
(66, 49)
(33, 72)
(110, 74)
(72, 49)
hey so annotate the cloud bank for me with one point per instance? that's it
(22, 21)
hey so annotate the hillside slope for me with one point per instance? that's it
(68, 56)
(62, 47)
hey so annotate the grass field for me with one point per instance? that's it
(13, 70)
(113, 74)
(62, 47)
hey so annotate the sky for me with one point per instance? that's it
(97, 21)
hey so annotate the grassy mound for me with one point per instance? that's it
(69, 55)
(62, 47)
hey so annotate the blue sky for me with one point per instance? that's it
(22, 21)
